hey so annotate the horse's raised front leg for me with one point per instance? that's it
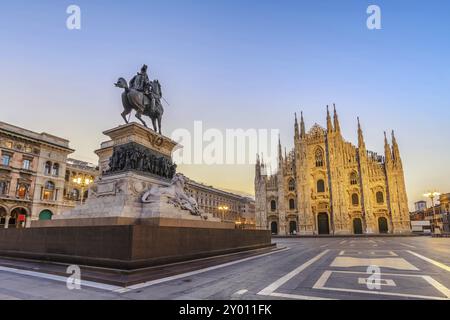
(124, 115)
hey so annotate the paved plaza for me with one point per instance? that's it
(302, 268)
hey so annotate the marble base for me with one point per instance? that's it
(119, 196)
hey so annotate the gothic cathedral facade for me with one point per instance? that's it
(326, 185)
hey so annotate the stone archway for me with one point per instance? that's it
(3, 214)
(274, 227)
(18, 217)
(357, 226)
(383, 225)
(323, 224)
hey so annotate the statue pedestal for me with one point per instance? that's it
(135, 160)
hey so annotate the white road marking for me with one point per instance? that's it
(394, 263)
(297, 296)
(191, 273)
(274, 286)
(380, 282)
(320, 284)
(436, 263)
(438, 286)
(325, 245)
(342, 242)
(59, 278)
(241, 292)
(407, 245)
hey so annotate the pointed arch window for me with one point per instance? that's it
(355, 199)
(320, 186)
(380, 197)
(273, 205)
(353, 178)
(291, 185)
(291, 204)
(319, 157)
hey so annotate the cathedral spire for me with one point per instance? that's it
(337, 127)
(280, 154)
(361, 143)
(296, 136)
(257, 167)
(329, 125)
(387, 150)
(395, 149)
(302, 126)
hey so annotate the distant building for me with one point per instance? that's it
(74, 194)
(222, 204)
(437, 217)
(31, 175)
(327, 185)
(420, 205)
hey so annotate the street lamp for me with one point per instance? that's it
(222, 209)
(83, 183)
(433, 195)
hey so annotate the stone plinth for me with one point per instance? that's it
(127, 247)
(135, 160)
(133, 133)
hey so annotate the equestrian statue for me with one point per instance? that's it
(143, 96)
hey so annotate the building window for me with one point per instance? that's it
(75, 194)
(291, 204)
(355, 199)
(26, 164)
(48, 168)
(55, 170)
(49, 191)
(3, 187)
(291, 185)
(6, 159)
(320, 186)
(273, 205)
(319, 157)
(353, 178)
(380, 197)
(22, 191)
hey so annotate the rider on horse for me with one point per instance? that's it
(141, 83)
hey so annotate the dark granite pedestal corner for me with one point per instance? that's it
(127, 246)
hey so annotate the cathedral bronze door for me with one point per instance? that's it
(383, 225)
(292, 227)
(274, 227)
(357, 226)
(323, 223)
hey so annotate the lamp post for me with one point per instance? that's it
(83, 183)
(433, 195)
(222, 210)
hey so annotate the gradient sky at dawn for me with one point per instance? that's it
(237, 64)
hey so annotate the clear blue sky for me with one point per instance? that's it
(237, 64)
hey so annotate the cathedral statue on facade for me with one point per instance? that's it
(326, 185)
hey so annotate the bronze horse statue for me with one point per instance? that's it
(143, 104)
